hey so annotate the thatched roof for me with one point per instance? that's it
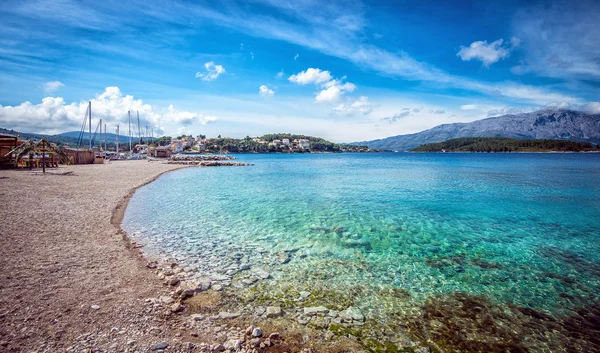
(39, 147)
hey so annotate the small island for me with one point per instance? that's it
(502, 144)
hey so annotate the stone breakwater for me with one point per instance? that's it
(210, 163)
(210, 157)
(206, 161)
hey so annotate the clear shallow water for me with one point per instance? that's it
(518, 229)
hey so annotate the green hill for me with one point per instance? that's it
(500, 144)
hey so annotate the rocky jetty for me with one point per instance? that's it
(206, 161)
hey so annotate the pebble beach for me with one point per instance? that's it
(72, 281)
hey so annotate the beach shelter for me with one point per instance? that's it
(41, 147)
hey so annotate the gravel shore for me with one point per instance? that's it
(72, 281)
(68, 280)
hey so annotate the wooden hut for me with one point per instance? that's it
(79, 155)
(7, 144)
(160, 152)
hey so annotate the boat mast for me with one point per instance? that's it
(139, 130)
(105, 145)
(90, 136)
(129, 113)
(100, 137)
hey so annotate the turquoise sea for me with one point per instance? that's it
(473, 252)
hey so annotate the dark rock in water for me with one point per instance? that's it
(159, 346)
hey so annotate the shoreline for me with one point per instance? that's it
(68, 282)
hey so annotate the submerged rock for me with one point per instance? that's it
(226, 315)
(273, 311)
(315, 310)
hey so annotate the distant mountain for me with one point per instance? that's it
(110, 138)
(543, 124)
(71, 138)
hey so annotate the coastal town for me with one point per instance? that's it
(271, 143)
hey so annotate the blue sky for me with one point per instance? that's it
(346, 71)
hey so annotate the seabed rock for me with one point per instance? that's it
(315, 310)
(226, 316)
(273, 311)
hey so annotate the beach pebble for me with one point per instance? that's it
(257, 332)
(275, 336)
(95, 307)
(177, 307)
(232, 345)
(159, 346)
(218, 348)
(217, 287)
(304, 294)
(131, 343)
(273, 311)
(166, 300)
(173, 281)
(197, 317)
(255, 342)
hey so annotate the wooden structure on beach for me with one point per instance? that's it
(79, 155)
(160, 152)
(37, 152)
(7, 144)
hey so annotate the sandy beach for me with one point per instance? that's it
(69, 281)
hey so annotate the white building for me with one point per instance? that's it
(303, 143)
(286, 142)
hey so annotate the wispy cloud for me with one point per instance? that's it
(52, 86)
(296, 56)
(212, 72)
(333, 29)
(468, 107)
(361, 106)
(560, 40)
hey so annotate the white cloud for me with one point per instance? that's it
(241, 46)
(54, 115)
(280, 74)
(296, 56)
(252, 55)
(212, 72)
(311, 75)
(362, 106)
(511, 111)
(484, 52)
(468, 107)
(265, 91)
(593, 107)
(558, 105)
(52, 86)
(332, 89)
